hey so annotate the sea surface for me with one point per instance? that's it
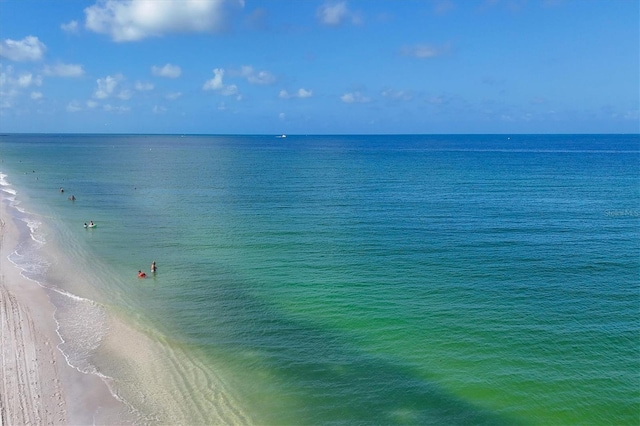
(341, 280)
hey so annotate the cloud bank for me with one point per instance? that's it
(336, 13)
(134, 20)
(169, 71)
(29, 48)
(64, 70)
(256, 77)
(300, 93)
(355, 98)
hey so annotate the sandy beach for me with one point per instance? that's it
(37, 385)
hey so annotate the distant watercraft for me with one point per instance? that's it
(282, 136)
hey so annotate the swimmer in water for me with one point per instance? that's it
(141, 274)
(154, 268)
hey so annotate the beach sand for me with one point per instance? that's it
(37, 386)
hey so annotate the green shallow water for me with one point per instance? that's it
(362, 279)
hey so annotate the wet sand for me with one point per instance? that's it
(37, 386)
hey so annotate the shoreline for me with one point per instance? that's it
(127, 377)
(37, 384)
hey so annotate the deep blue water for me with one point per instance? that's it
(346, 279)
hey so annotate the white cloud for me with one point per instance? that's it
(282, 116)
(216, 84)
(159, 109)
(70, 27)
(303, 93)
(229, 90)
(397, 95)
(336, 13)
(354, 97)
(423, 51)
(74, 106)
(300, 93)
(256, 77)
(116, 109)
(132, 20)
(36, 95)
(262, 77)
(143, 86)
(169, 71)
(173, 96)
(27, 49)
(12, 85)
(438, 100)
(28, 80)
(125, 94)
(106, 86)
(64, 70)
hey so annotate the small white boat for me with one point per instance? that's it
(282, 136)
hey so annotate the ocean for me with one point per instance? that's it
(341, 280)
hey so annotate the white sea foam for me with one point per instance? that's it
(9, 191)
(34, 228)
(4, 187)
(32, 266)
(80, 322)
(81, 326)
(72, 296)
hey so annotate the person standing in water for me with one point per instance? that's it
(153, 267)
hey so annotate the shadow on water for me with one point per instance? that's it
(318, 376)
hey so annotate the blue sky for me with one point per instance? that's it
(320, 67)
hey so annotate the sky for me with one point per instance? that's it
(319, 67)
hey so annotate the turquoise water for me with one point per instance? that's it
(344, 279)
